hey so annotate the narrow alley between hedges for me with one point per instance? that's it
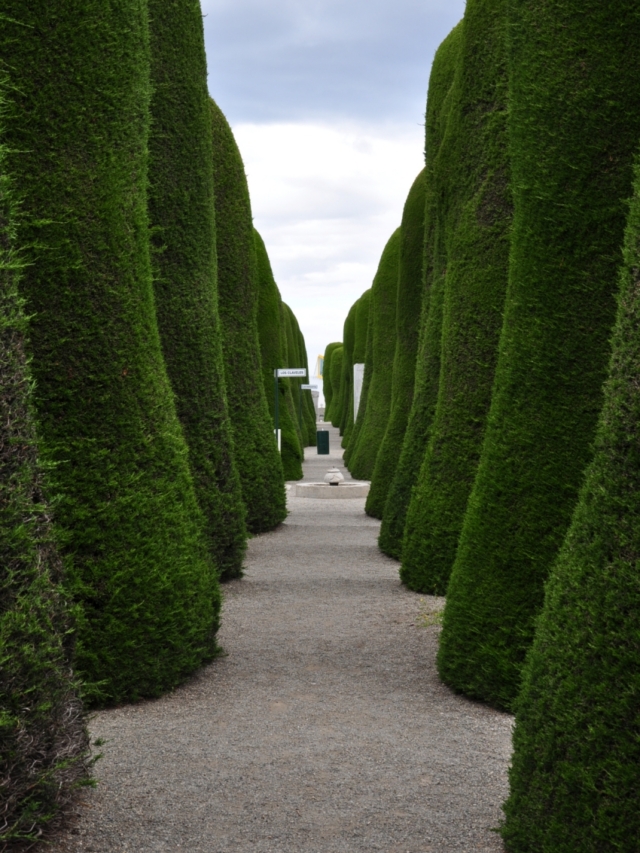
(323, 728)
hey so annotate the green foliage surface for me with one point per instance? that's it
(273, 348)
(383, 296)
(181, 212)
(366, 385)
(76, 133)
(574, 776)
(473, 162)
(336, 384)
(346, 382)
(257, 454)
(573, 126)
(360, 329)
(427, 374)
(327, 384)
(43, 741)
(408, 309)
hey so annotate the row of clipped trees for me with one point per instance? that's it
(139, 326)
(499, 415)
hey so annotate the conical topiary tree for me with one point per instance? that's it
(573, 125)
(361, 326)
(308, 408)
(346, 383)
(409, 304)
(365, 353)
(474, 160)
(44, 745)
(574, 774)
(336, 384)
(384, 291)
(257, 454)
(272, 338)
(76, 132)
(181, 210)
(427, 375)
(326, 379)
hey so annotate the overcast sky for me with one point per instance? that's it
(326, 99)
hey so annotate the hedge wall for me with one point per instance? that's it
(336, 384)
(181, 212)
(474, 160)
(77, 134)
(361, 326)
(428, 358)
(409, 304)
(574, 125)
(574, 775)
(308, 409)
(383, 297)
(346, 382)
(363, 355)
(44, 752)
(257, 454)
(272, 336)
(327, 384)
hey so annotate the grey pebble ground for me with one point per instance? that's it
(324, 729)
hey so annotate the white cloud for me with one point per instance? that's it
(326, 199)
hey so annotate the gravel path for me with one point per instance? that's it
(324, 729)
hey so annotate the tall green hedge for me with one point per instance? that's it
(574, 124)
(336, 384)
(43, 741)
(409, 305)
(257, 454)
(308, 409)
(76, 133)
(272, 336)
(360, 329)
(298, 358)
(428, 358)
(474, 162)
(574, 776)
(327, 384)
(384, 291)
(346, 382)
(362, 355)
(181, 212)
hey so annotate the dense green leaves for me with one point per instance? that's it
(428, 358)
(573, 126)
(257, 456)
(43, 741)
(327, 383)
(574, 777)
(474, 176)
(77, 132)
(181, 210)
(384, 292)
(408, 308)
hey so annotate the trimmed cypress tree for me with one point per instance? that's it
(363, 352)
(361, 326)
(346, 384)
(427, 375)
(366, 384)
(336, 384)
(473, 158)
(44, 747)
(408, 308)
(308, 409)
(272, 337)
(257, 454)
(384, 292)
(327, 385)
(77, 128)
(573, 125)
(574, 774)
(181, 210)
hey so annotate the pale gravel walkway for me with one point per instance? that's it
(324, 729)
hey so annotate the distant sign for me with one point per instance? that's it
(291, 371)
(309, 387)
